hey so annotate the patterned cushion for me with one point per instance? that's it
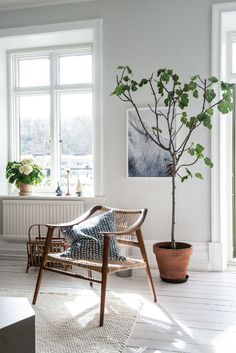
(86, 243)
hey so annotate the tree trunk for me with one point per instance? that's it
(173, 245)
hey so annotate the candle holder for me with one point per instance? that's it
(78, 188)
(68, 182)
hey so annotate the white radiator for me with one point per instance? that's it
(18, 215)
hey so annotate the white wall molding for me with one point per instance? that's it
(221, 174)
(216, 261)
(6, 5)
(10, 248)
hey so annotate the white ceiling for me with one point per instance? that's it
(18, 4)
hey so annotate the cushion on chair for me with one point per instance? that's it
(85, 241)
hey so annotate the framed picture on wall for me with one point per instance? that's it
(145, 159)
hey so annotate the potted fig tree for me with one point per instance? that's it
(167, 90)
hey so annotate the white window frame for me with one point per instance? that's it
(231, 39)
(54, 90)
(64, 29)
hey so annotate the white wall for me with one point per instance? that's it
(145, 34)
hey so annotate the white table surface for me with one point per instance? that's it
(14, 309)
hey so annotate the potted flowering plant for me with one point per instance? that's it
(24, 174)
(181, 119)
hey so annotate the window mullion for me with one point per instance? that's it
(55, 150)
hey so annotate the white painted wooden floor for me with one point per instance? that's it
(197, 316)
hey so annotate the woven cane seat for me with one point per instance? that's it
(96, 265)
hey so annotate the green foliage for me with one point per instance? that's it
(198, 175)
(165, 85)
(208, 162)
(27, 171)
(181, 122)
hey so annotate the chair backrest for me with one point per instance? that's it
(126, 219)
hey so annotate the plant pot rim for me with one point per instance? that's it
(165, 245)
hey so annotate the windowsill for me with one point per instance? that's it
(53, 197)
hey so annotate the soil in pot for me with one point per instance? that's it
(173, 263)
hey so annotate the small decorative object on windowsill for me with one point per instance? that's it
(58, 190)
(24, 174)
(78, 188)
(68, 182)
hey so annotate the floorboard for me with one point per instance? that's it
(193, 317)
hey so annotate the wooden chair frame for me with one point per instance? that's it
(35, 245)
(104, 266)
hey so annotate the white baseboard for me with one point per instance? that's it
(203, 258)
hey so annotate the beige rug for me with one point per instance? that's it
(69, 323)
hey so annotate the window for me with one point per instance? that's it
(51, 107)
(231, 57)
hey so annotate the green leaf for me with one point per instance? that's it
(199, 148)
(120, 89)
(195, 93)
(194, 78)
(156, 129)
(160, 71)
(208, 162)
(160, 88)
(183, 101)
(184, 178)
(175, 77)
(198, 175)
(212, 79)
(144, 81)
(178, 92)
(126, 78)
(202, 116)
(121, 67)
(207, 122)
(210, 111)
(192, 122)
(210, 95)
(129, 70)
(184, 118)
(189, 173)
(165, 77)
(186, 87)
(225, 107)
(191, 151)
(192, 85)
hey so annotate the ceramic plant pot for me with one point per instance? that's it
(173, 263)
(25, 189)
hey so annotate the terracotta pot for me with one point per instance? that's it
(173, 263)
(25, 189)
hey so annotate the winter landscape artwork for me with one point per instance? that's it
(145, 158)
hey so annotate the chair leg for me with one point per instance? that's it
(150, 282)
(90, 275)
(40, 275)
(103, 298)
(148, 271)
(106, 246)
(27, 268)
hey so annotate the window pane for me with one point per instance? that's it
(75, 69)
(34, 112)
(233, 58)
(34, 72)
(76, 135)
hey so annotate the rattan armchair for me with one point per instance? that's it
(128, 225)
